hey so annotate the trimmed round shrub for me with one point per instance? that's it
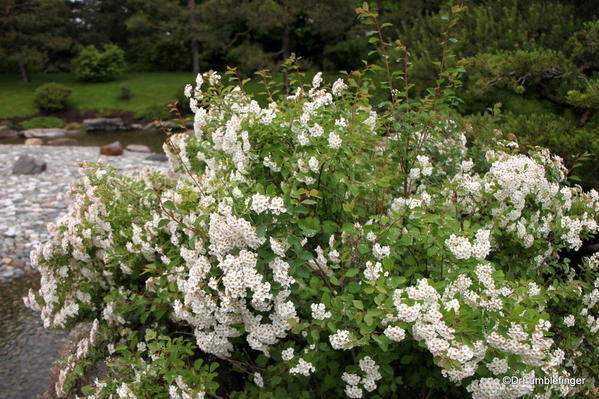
(52, 97)
(42, 122)
(125, 92)
(94, 65)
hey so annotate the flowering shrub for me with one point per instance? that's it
(313, 247)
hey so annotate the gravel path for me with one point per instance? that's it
(29, 202)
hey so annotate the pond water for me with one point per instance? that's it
(27, 349)
(152, 139)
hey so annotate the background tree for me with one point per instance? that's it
(99, 22)
(162, 34)
(30, 30)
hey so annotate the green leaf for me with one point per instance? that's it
(310, 226)
(353, 287)
(358, 304)
(329, 227)
(406, 359)
(382, 341)
(352, 272)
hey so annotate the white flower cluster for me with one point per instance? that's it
(380, 251)
(461, 247)
(373, 270)
(319, 311)
(355, 384)
(287, 354)
(262, 203)
(303, 368)
(340, 340)
(182, 391)
(517, 181)
(395, 333)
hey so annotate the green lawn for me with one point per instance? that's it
(147, 88)
(151, 88)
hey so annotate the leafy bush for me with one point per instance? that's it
(52, 97)
(347, 54)
(100, 66)
(125, 92)
(153, 112)
(317, 248)
(42, 122)
(249, 57)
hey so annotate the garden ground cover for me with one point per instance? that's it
(149, 88)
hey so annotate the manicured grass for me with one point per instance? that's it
(151, 88)
(147, 89)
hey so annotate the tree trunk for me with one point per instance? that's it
(195, 57)
(379, 6)
(194, 48)
(585, 118)
(23, 70)
(285, 49)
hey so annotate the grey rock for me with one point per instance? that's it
(10, 233)
(157, 158)
(164, 125)
(170, 126)
(138, 148)
(97, 370)
(27, 165)
(6, 133)
(137, 126)
(150, 127)
(44, 133)
(104, 125)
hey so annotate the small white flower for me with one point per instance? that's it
(287, 354)
(334, 141)
(317, 80)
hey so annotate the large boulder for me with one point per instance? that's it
(112, 149)
(27, 165)
(97, 370)
(44, 133)
(6, 133)
(104, 125)
(138, 148)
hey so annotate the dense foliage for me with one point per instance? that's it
(52, 97)
(42, 122)
(329, 244)
(99, 66)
